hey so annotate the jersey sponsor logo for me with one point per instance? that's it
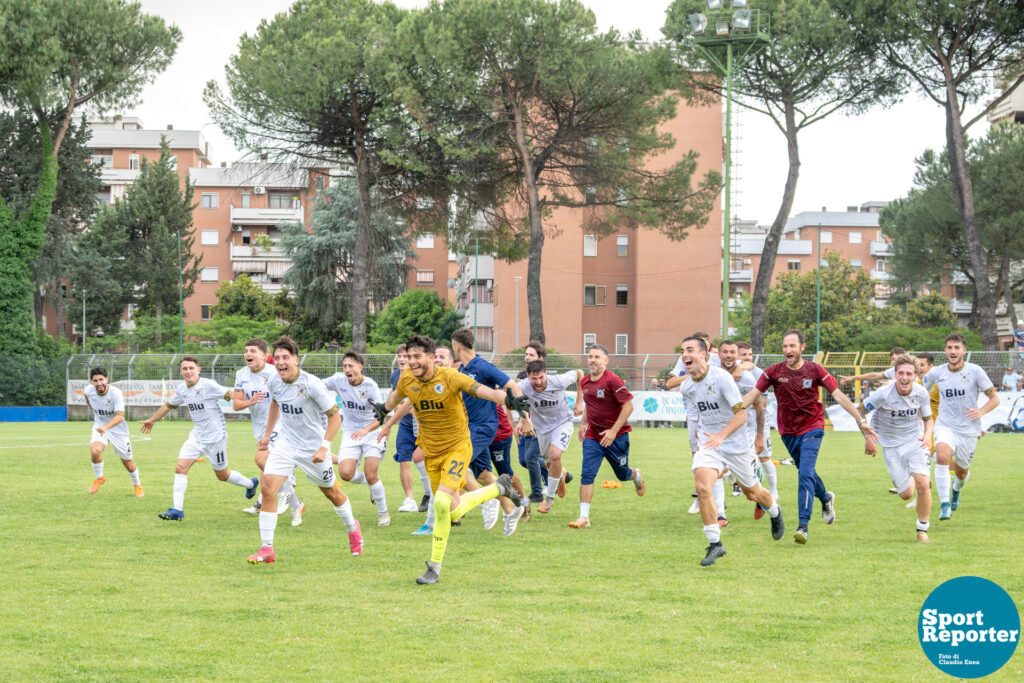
(104, 412)
(808, 383)
(438, 388)
(546, 403)
(289, 409)
(904, 413)
(427, 404)
(953, 393)
(783, 379)
(196, 406)
(704, 406)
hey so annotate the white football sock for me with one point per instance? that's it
(771, 477)
(239, 479)
(774, 510)
(718, 491)
(942, 482)
(585, 510)
(268, 522)
(430, 512)
(552, 486)
(922, 526)
(178, 492)
(379, 497)
(97, 469)
(358, 478)
(345, 512)
(421, 467)
(958, 483)
(135, 476)
(713, 533)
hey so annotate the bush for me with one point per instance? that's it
(884, 337)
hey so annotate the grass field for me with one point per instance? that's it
(98, 588)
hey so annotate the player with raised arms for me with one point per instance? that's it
(305, 416)
(959, 424)
(898, 410)
(208, 438)
(108, 427)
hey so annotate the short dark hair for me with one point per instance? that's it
(744, 345)
(97, 371)
(728, 342)
(401, 347)
(536, 366)
(446, 348)
(600, 347)
(897, 351)
(703, 345)
(538, 347)
(190, 359)
(288, 344)
(351, 353)
(930, 357)
(420, 341)
(260, 344)
(703, 335)
(793, 330)
(957, 337)
(464, 336)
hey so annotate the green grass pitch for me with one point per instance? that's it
(98, 588)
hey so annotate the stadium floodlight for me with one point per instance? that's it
(714, 4)
(739, 4)
(721, 28)
(741, 20)
(698, 22)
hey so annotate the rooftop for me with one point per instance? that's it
(246, 174)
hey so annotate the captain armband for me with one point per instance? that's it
(331, 412)
(737, 408)
(990, 392)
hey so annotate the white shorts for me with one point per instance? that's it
(742, 465)
(357, 449)
(963, 445)
(216, 452)
(560, 437)
(284, 458)
(121, 443)
(905, 460)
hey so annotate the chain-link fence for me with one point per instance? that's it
(33, 382)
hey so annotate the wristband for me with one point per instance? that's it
(326, 444)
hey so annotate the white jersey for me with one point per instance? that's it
(303, 404)
(713, 397)
(549, 408)
(897, 418)
(889, 373)
(105, 407)
(958, 391)
(249, 383)
(746, 383)
(356, 411)
(203, 401)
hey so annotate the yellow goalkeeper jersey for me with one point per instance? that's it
(441, 414)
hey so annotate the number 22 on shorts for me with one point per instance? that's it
(457, 467)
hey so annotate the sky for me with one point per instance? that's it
(845, 161)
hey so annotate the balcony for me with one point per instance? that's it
(881, 275)
(251, 251)
(880, 248)
(484, 314)
(266, 216)
(795, 247)
(754, 245)
(745, 275)
(960, 307)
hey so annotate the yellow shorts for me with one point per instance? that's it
(449, 469)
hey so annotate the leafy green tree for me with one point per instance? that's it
(99, 271)
(243, 297)
(930, 310)
(56, 56)
(417, 311)
(230, 332)
(948, 49)
(812, 68)
(911, 337)
(552, 113)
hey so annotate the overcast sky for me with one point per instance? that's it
(845, 161)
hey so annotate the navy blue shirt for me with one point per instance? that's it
(406, 421)
(483, 413)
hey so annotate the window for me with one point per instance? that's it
(280, 201)
(319, 182)
(246, 200)
(881, 265)
(211, 200)
(594, 295)
(133, 162)
(206, 311)
(105, 160)
(621, 343)
(425, 278)
(590, 195)
(209, 238)
(480, 293)
(588, 341)
(826, 237)
(484, 338)
(856, 263)
(856, 237)
(793, 264)
(210, 274)
(425, 242)
(590, 245)
(424, 203)
(622, 245)
(173, 162)
(622, 295)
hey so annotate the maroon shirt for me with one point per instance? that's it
(796, 394)
(604, 398)
(504, 426)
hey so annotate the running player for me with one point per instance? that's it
(208, 438)
(483, 422)
(501, 458)
(305, 417)
(251, 392)
(359, 441)
(889, 373)
(552, 420)
(728, 352)
(725, 445)
(108, 427)
(959, 424)
(405, 446)
(802, 421)
(898, 410)
(763, 449)
(604, 431)
(436, 395)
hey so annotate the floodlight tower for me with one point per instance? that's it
(743, 32)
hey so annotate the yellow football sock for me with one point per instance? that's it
(471, 499)
(442, 525)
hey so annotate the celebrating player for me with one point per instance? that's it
(898, 410)
(305, 416)
(208, 438)
(108, 427)
(405, 446)
(959, 423)
(604, 430)
(764, 449)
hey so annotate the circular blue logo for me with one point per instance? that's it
(969, 627)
